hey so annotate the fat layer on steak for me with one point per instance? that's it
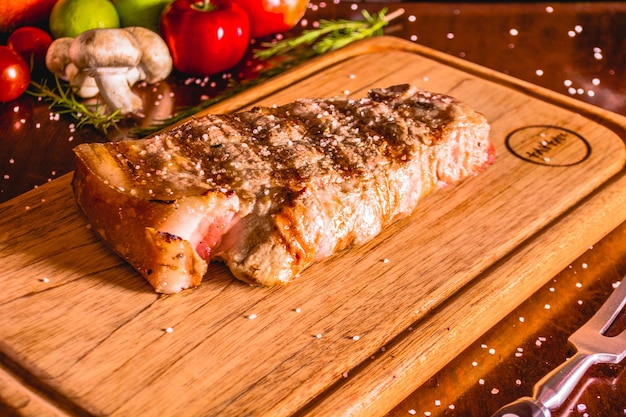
(270, 190)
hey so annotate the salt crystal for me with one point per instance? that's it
(169, 330)
(450, 35)
(437, 403)
(581, 407)
(547, 306)
(298, 310)
(521, 319)
(412, 18)
(513, 32)
(584, 265)
(319, 335)
(252, 316)
(539, 72)
(481, 381)
(412, 412)
(492, 351)
(474, 363)
(549, 9)
(356, 337)
(45, 279)
(495, 391)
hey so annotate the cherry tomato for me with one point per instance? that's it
(31, 43)
(205, 37)
(14, 74)
(268, 17)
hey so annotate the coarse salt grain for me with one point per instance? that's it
(437, 403)
(581, 407)
(474, 363)
(547, 306)
(412, 412)
(492, 351)
(495, 391)
(481, 381)
(318, 336)
(169, 330)
(45, 279)
(356, 337)
(298, 310)
(513, 32)
(584, 265)
(252, 316)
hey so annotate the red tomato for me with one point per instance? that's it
(31, 43)
(14, 74)
(205, 37)
(272, 16)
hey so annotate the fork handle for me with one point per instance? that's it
(553, 389)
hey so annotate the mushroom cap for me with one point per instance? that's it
(105, 48)
(156, 61)
(58, 57)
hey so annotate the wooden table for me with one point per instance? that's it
(573, 49)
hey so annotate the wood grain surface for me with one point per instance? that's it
(83, 334)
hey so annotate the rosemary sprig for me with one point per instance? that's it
(63, 100)
(331, 34)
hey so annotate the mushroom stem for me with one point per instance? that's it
(115, 90)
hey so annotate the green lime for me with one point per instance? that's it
(72, 17)
(144, 13)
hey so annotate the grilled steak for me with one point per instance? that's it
(270, 190)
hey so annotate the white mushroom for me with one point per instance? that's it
(109, 55)
(156, 61)
(111, 61)
(59, 63)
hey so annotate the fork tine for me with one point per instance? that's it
(590, 337)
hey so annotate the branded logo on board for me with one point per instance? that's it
(548, 145)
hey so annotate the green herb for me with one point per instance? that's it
(63, 101)
(332, 34)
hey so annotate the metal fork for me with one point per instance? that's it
(592, 347)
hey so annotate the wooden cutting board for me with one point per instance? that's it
(81, 333)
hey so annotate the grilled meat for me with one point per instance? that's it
(270, 190)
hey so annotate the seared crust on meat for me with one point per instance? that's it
(270, 190)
